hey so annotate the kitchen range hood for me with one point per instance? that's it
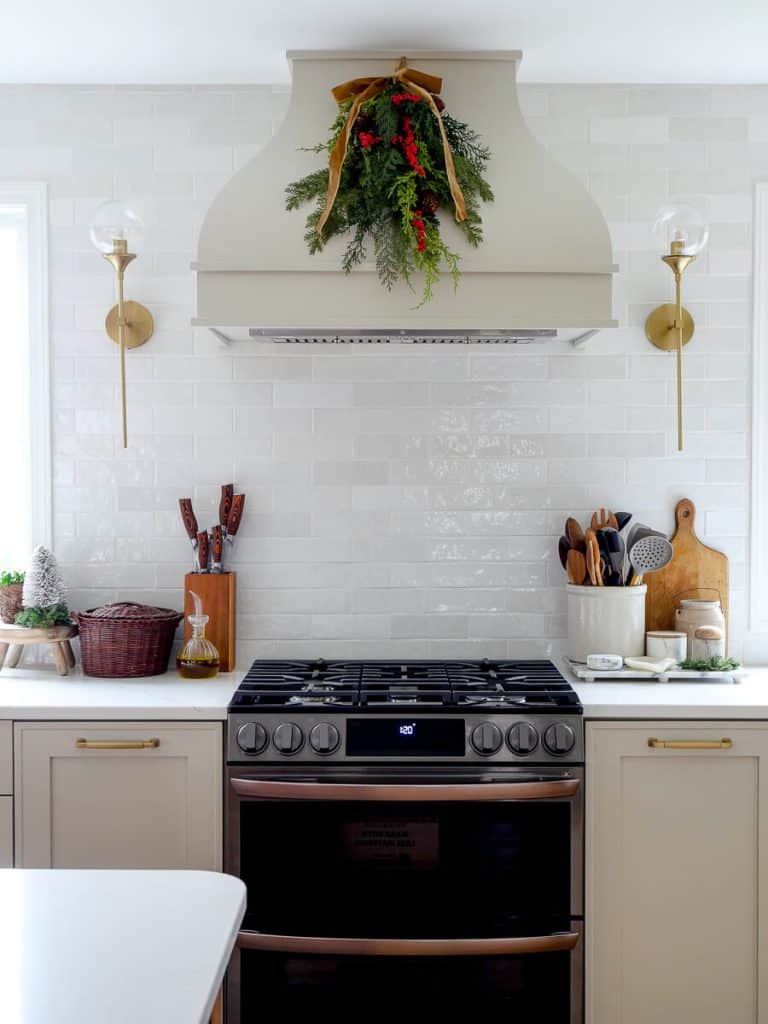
(543, 271)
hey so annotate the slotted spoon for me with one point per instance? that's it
(649, 554)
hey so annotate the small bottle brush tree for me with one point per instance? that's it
(44, 593)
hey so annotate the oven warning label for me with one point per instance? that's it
(409, 843)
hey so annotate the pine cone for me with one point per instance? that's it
(363, 123)
(440, 104)
(429, 202)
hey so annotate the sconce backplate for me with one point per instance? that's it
(139, 326)
(659, 329)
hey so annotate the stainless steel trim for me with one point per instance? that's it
(261, 789)
(554, 943)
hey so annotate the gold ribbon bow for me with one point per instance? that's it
(364, 89)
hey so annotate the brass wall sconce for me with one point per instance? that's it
(114, 228)
(684, 233)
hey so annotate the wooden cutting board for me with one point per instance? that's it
(694, 566)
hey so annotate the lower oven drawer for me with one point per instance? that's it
(346, 980)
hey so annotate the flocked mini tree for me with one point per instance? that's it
(45, 596)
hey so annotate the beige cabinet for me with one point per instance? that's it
(6, 799)
(118, 795)
(677, 873)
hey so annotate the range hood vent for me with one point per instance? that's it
(543, 271)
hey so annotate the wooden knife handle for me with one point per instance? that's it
(225, 505)
(202, 551)
(236, 514)
(217, 546)
(188, 518)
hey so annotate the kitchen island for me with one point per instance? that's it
(87, 947)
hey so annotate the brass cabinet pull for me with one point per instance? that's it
(723, 744)
(152, 744)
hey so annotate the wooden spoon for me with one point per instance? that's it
(593, 559)
(563, 547)
(575, 534)
(577, 567)
(603, 517)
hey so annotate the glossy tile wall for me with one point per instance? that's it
(400, 503)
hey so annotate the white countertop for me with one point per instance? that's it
(42, 694)
(28, 694)
(90, 947)
(746, 699)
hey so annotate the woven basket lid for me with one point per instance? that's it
(129, 610)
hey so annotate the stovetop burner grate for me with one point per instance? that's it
(512, 686)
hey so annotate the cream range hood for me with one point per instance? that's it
(544, 270)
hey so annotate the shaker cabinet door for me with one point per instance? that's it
(118, 795)
(6, 831)
(677, 873)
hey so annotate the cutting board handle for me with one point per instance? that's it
(685, 516)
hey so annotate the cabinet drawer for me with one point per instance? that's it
(6, 757)
(6, 831)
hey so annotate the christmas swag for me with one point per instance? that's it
(396, 157)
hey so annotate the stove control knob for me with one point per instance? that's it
(252, 738)
(522, 738)
(288, 738)
(324, 738)
(559, 738)
(486, 739)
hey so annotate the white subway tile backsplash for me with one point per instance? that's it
(400, 503)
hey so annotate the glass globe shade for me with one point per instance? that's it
(114, 220)
(681, 222)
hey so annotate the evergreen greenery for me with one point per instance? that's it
(44, 618)
(9, 576)
(392, 182)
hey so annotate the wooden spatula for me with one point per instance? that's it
(603, 517)
(577, 567)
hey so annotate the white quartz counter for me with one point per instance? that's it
(27, 694)
(745, 699)
(42, 694)
(124, 947)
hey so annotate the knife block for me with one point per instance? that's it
(217, 592)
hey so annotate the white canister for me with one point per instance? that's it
(666, 643)
(694, 613)
(606, 619)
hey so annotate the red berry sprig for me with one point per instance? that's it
(408, 141)
(368, 139)
(405, 97)
(417, 223)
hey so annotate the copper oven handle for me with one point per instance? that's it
(555, 943)
(267, 790)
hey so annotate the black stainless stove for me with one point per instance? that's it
(375, 711)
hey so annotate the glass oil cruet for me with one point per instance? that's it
(198, 658)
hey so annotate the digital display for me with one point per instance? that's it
(405, 737)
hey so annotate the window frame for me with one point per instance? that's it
(33, 196)
(758, 590)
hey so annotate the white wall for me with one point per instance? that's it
(399, 503)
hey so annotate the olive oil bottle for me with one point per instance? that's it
(198, 658)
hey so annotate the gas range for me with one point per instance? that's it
(405, 712)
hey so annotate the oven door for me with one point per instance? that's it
(456, 889)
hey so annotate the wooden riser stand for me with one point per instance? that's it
(217, 592)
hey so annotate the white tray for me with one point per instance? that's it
(673, 675)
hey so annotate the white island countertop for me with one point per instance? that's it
(41, 694)
(115, 947)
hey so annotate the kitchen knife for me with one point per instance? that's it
(217, 548)
(225, 505)
(189, 519)
(202, 551)
(235, 516)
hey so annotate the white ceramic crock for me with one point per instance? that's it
(606, 620)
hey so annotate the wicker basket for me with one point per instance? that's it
(125, 640)
(10, 602)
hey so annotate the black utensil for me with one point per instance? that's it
(612, 549)
(622, 518)
(563, 547)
